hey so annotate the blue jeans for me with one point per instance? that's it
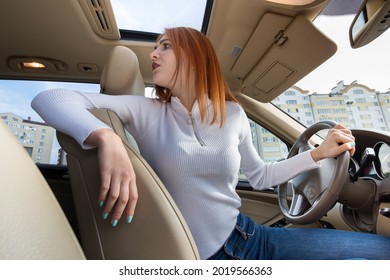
(250, 241)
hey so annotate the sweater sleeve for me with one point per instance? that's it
(262, 175)
(67, 111)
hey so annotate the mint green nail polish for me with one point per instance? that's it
(105, 216)
(101, 203)
(129, 219)
(114, 223)
(351, 145)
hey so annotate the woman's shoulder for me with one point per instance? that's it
(233, 107)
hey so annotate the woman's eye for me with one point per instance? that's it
(166, 45)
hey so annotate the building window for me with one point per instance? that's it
(336, 102)
(358, 91)
(290, 93)
(339, 111)
(291, 101)
(361, 100)
(269, 139)
(322, 102)
(324, 111)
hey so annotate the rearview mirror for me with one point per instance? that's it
(372, 19)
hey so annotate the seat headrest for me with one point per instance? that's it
(121, 74)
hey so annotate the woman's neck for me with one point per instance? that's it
(186, 97)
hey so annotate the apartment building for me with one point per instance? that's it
(354, 105)
(35, 137)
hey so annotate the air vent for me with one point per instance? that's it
(100, 12)
(101, 18)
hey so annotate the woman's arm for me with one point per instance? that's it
(118, 188)
(67, 111)
(263, 175)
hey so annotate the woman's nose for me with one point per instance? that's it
(153, 55)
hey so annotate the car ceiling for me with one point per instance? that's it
(242, 32)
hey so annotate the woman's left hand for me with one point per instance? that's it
(338, 140)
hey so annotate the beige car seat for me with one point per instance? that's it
(158, 230)
(32, 223)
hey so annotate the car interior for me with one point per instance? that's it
(264, 47)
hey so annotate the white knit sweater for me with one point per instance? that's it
(199, 164)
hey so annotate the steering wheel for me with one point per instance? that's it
(316, 191)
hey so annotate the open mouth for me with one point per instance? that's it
(155, 65)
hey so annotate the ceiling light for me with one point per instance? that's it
(36, 64)
(292, 2)
(33, 65)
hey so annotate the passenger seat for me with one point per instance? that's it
(158, 230)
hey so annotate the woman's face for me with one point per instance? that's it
(163, 63)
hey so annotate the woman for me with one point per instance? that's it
(196, 137)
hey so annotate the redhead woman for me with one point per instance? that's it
(196, 137)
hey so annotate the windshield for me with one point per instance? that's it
(352, 87)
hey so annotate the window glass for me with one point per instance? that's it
(352, 87)
(269, 147)
(35, 136)
(131, 16)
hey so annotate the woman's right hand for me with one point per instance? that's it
(118, 190)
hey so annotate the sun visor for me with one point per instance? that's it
(270, 63)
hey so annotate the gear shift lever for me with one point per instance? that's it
(367, 158)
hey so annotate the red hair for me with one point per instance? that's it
(196, 49)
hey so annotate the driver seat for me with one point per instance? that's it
(158, 230)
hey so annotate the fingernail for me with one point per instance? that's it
(114, 223)
(101, 203)
(105, 216)
(352, 144)
(129, 219)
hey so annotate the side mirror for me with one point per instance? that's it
(372, 19)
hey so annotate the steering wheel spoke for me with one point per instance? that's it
(298, 205)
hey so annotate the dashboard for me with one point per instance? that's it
(369, 171)
(372, 156)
